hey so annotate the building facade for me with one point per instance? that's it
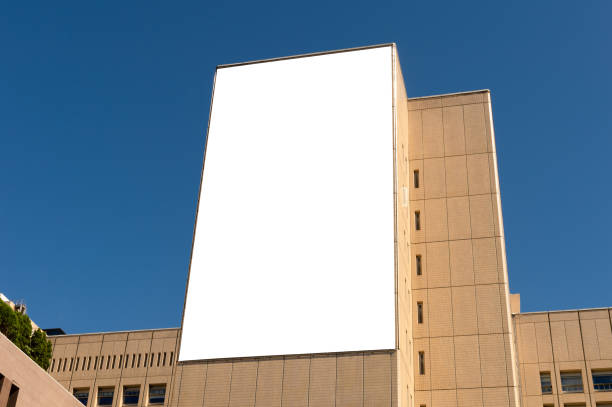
(460, 339)
(463, 343)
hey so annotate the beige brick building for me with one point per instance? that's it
(460, 341)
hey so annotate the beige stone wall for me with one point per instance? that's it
(564, 341)
(115, 360)
(465, 335)
(36, 387)
(402, 232)
(343, 379)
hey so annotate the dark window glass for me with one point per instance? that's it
(419, 265)
(157, 394)
(131, 395)
(421, 362)
(602, 381)
(82, 395)
(420, 312)
(417, 220)
(105, 397)
(545, 382)
(416, 178)
(571, 382)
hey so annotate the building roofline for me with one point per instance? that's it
(467, 92)
(564, 310)
(119, 332)
(310, 54)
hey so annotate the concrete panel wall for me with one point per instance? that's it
(23, 383)
(344, 379)
(465, 332)
(564, 341)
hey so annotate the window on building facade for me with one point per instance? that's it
(157, 394)
(105, 396)
(131, 395)
(602, 381)
(420, 312)
(545, 382)
(421, 363)
(416, 178)
(82, 395)
(419, 265)
(417, 220)
(13, 395)
(571, 382)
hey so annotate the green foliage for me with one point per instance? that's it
(41, 350)
(18, 329)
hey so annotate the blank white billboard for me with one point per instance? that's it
(293, 250)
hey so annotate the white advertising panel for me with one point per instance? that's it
(294, 242)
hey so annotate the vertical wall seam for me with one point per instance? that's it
(552, 345)
(256, 383)
(205, 384)
(467, 177)
(229, 393)
(308, 392)
(450, 272)
(586, 367)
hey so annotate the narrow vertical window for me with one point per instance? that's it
(545, 382)
(139, 356)
(152, 357)
(164, 362)
(421, 363)
(89, 363)
(416, 178)
(133, 359)
(417, 220)
(127, 360)
(145, 360)
(65, 363)
(420, 312)
(84, 361)
(108, 362)
(120, 361)
(52, 365)
(114, 358)
(76, 365)
(419, 265)
(158, 358)
(101, 362)
(171, 357)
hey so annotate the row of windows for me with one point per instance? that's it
(571, 382)
(131, 395)
(11, 401)
(112, 362)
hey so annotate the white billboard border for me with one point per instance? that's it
(394, 68)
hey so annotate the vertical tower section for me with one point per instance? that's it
(463, 340)
(403, 285)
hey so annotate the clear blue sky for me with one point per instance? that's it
(104, 107)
